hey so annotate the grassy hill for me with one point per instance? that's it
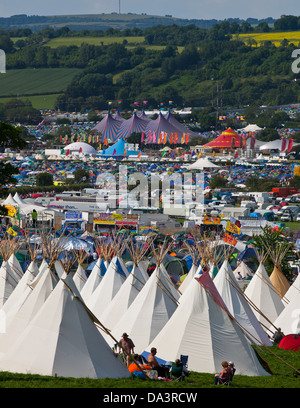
(104, 21)
(40, 86)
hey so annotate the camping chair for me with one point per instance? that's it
(229, 381)
(176, 372)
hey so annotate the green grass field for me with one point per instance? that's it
(30, 81)
(44, 102)
(281, 362)
(40, 86)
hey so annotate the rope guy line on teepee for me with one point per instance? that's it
(100, 326)
(261, 346)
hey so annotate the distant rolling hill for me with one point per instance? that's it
(105, 21)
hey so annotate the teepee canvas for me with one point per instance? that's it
(277, 278)
(62, 339)
(289, 318)
(227, 286)
(79, 276)
(108, 287)
(26, 312)
(263, 297)
(93, 280)
(130, 288)
(149, 311)
(203, 329)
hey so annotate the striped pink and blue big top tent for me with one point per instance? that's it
(159, 125)
(132, 125)
(108, 127)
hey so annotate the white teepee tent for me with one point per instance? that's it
(93, 280)
(149, 312)
(108, 287)
(203, 329)
(62, 339)
(19, 295)
(27, 311)
(230, 292)
(263, 297)
(292, 291)
(124, 297)
(289, 318)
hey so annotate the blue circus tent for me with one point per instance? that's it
(108, 127)
(118, 149)
(160, 124)
(133, 125)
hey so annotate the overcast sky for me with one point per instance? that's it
(199, 9)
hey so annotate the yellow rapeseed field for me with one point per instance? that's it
(276, 38)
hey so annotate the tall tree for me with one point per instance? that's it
(9, 138)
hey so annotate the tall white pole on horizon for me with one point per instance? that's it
(119, 6)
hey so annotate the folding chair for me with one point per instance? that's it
(229, 381)
(176, 372)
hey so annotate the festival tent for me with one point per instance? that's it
(161, 125)
(9, 279)
(62, 339)
(274, 145)
(202, 163)
(20, 201)
(243, 269)
(251, 128)
(9, 200)
(108, 287)
(108, 127)
(263, 297)
(149, 312)
(79, 147)
(202, 328)
(118, 149)
(289, 319)
(133, 125)
(277, 278)
(226, 140)
(19, 321)
(290, 342)
(93, 280)
(18, 295)
(124, 297)
(293, 291)
(193, 272)
(80, 277)
(227, 286)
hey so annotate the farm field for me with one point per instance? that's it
(44, 102)
(276, 38)
(40, 86)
